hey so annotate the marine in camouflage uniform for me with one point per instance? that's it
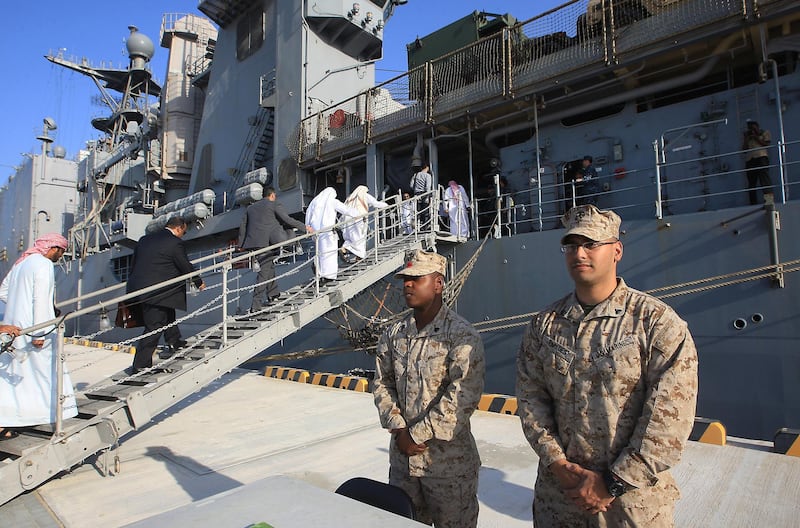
(428, 382)
(606, 392)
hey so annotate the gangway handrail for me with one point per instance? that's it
(227, 263)
(117, 286)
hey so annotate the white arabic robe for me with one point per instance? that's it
(321, 215)
(455, 199)
(355, 231)
(28, 391)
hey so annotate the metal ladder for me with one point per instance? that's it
(108, 411)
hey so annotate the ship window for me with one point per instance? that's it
(122, 267)
(250, 33)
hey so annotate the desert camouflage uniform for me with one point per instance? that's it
(431, 382)
(612, 389)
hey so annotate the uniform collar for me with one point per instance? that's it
(432, 328)
(613, 306)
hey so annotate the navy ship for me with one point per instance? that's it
(658, 93)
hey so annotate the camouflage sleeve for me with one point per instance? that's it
(534, 402)
(385, 387)
(668, 414)
(451, 413)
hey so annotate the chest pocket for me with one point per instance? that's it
(619, 368)
(560, 357)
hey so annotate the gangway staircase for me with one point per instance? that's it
(115, 407)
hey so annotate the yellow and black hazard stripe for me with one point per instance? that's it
(787, 442)
(708, 431)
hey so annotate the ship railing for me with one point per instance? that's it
(466, 77)
(681, 184)
(515, 61)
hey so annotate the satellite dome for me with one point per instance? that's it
(139, 45)
(59, 152)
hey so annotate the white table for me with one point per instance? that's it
(280, 501)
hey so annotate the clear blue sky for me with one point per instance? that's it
(33, 88)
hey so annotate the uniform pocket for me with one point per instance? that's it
(561, 357)
(619, 369)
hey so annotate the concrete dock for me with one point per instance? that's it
(245, 427)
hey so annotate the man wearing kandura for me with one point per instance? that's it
(606, 387)
(428, 382)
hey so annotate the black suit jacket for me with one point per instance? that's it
(263, 225)
(158, 257)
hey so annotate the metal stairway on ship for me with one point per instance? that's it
(112, 409)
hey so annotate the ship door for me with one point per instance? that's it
(546, 198)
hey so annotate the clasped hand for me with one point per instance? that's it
(406, 444)
(586, 488)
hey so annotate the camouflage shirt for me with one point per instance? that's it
(431, 382)
(612, 389)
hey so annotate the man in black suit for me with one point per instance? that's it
(265, 224)
(159, 257)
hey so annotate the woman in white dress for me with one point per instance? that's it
(321, 215)
(355, 231)
(456, 204)
(28, 388)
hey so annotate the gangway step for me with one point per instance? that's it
(115, 392)
(88, 407)
(22, 444)
(30, 438)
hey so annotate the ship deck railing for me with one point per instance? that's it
(531, 56)
(684, 185)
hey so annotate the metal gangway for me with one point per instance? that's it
(109, 410)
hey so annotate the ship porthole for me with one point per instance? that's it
(757, 318)
(739, 323)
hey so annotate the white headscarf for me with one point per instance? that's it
(358, 200)
(315, 214)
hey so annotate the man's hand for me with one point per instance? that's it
(309, 229)
(567, 473)
(406, 444)
(10, 329)
(591, 493)
(202, 286)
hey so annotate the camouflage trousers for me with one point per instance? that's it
(650, 507)
(450, 502)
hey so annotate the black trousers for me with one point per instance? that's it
(266, 261)
(155, 317)
(758, 176)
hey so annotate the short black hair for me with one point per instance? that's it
(176, 221)
(269, 190)
(588, 158)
